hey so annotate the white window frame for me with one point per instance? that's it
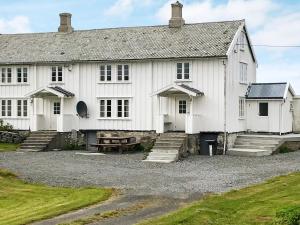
(57, 74)
(105, 110)
(123, 75)
(6, 75)
(242, 107)
(242, 41)
(259, 109)
(22, 75)
(56, 108)
(243, 73)
(6, 109)
(121, 111)
(183, 71)
(22, 107)
(106, 73)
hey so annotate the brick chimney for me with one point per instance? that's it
(176, 20)
(65, 23)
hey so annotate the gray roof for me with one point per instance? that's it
(266, 91)
(154, 42)
(196, 91)
(63, 91)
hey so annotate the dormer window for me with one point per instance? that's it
(183, 71)
(57, 74)
(22, 75)
(6, 75)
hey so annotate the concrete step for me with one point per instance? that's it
(166, 147)
(158, 161)
(257, 142)
(37, 141)
(266, 147)
(257, 138)
(248, 152)
(175, 151)
(173, 159)
(170, 145)
(29, 150)
(163, 154)
(175, 141)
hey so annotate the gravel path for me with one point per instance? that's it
(195, 174)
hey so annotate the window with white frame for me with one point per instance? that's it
(182, 106)
(263, 109)
(22, 108)
(241, 107)
(105, 108)
(56, 108)
(243, 73)
(122, 108)
(183, 71)
(123, 72)
(22, 75)
(57, 74)
(105, 73)
(6, 108)
(6, 75)
(242, 42)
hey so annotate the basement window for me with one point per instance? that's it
(263, 109)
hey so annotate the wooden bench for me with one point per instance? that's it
(122, 143)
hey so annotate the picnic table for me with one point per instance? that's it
(122, 143)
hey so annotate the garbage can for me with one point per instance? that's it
(208, 144)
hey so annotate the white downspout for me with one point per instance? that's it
(280, 118)
(225, 114)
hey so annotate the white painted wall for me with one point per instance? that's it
(234, 88)
(296, 103)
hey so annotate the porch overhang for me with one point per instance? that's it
(49, 92)
(175, 89)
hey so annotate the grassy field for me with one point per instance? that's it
(22, 203)
(8, 147)
(253, 205)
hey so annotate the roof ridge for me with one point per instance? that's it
(126, 27)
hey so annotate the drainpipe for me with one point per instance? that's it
(225, 114)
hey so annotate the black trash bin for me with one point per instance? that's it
(207, 141)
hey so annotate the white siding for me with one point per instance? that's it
(234, 88)
(296, 104)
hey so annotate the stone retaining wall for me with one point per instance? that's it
(11, 137)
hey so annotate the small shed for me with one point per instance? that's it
(269, 107)
(296, 111)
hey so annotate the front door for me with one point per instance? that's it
(54, 113)
(181, 109)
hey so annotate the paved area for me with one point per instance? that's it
(195, 174)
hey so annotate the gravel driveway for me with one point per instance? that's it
(195, 174)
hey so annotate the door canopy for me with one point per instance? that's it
(178, 89)
(50, 91)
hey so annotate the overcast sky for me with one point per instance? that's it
(270, 22)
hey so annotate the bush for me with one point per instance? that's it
(5, 126)
(288, 216)
(72, 146)
(285, 149)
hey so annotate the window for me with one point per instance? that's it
(242, 41)
(56, 108)
(183, 71)
(6, 75)
(5, 108)
(22, 75)
(123, 108)
(243, 73)
(105, 108)
(57, 74)
(22, 108)
(105, 73)
(182, 106)
(263, 109)
(123, 72)
(241, 107)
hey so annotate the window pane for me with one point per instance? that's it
(120, 72)
(126, 72)
(59, 74)
(179, 70)
(25, 108)
(8, 75)
(53, 74)
(186, 70)
(3, 108)
(108, 73)
(102, 73)
(25, 75)
(126, 108)
(19, 75)
(19, 108)
(108, 108)
(3, 75)
(263, 109)
(8, 107)
(120, 108)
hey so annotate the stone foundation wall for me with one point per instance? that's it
(293, 145)
(146, 138)
(68, 141)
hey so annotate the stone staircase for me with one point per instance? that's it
(255, 145)
(37, 141)
(168, 148)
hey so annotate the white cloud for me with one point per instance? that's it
(254, 11)
(18, 24)
(123, 8)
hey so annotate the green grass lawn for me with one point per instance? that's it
(253, 205)
(8, 147)
(22, 203)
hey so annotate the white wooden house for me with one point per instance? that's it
(177, 77)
